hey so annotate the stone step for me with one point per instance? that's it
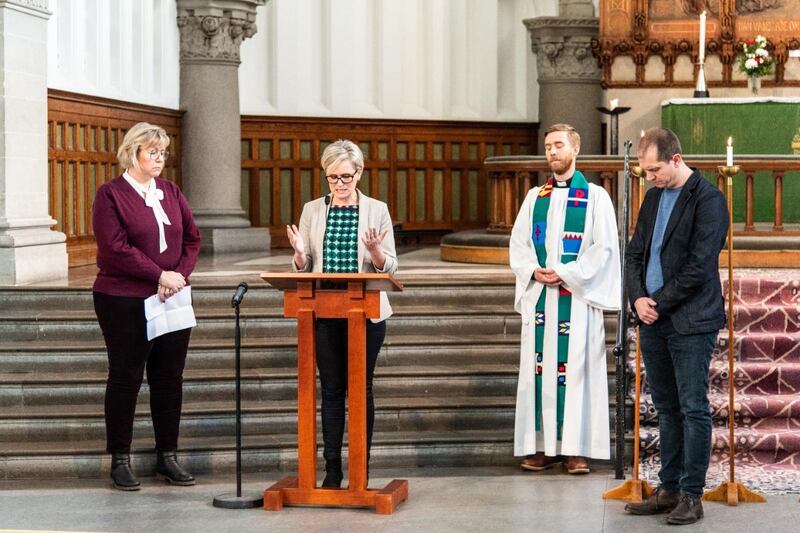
(276, 454)
(81, 423)
(43, 300)
(88, 329)
(265, 385)
(471, 350)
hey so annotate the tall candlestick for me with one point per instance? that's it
(729, 159)
(702, 37)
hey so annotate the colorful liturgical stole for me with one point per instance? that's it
(572, 236)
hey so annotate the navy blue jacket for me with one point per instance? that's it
(695, 235)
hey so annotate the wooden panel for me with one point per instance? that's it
(416, 167)
(84, 134)
(641, 29)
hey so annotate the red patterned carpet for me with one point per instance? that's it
(767, 382)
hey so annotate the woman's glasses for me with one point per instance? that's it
(345, 178)
(155, 153)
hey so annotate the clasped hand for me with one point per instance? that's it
(547, 276)
(646, 309)
(169, 283)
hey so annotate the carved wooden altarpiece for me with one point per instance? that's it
(670, 28)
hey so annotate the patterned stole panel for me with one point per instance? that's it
(571, 239)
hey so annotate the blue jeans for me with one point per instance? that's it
(677, 374)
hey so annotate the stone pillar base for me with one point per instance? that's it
(234, 240)
(32, 256)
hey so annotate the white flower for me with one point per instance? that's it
(762, 52)
(761, 39)
(750, 64)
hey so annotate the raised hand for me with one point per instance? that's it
(372, 239)
(296, 240)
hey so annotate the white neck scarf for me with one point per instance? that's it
(152, 199)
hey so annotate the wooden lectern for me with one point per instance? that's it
(355, 297)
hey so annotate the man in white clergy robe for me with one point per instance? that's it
(564, 252)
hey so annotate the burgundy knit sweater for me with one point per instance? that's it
(127, 239)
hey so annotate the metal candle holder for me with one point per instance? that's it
(700, 89)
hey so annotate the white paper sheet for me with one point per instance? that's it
(174, 314)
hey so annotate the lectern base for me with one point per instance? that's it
(286, 492)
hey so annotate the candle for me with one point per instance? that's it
(702, 37)
(642, 134)
(729, 160)
(614, 103)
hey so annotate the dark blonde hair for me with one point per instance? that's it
(572, 133)
(342, 150)
(141, 135)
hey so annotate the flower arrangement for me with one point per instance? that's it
(755, 60)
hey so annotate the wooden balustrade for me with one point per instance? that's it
(430, 173)
(511, 177)
(84, 134)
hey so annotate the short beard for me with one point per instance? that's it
(560, 166)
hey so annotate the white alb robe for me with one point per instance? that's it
(595, 284)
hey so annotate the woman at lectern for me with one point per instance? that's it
(343, 232)
(147, 245)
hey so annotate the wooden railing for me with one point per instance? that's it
(430, 173)
(84, 134)
(512, 177)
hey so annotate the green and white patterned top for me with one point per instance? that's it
(340, 245)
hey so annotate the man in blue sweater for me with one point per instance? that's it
(673, 283)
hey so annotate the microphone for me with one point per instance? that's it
(239, 294)
(327, 199)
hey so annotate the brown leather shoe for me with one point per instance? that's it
(539, 461)
(660, 501)
(688, 511)
(577, 465)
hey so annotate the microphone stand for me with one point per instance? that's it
(229, 500)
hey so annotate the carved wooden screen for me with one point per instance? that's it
(429, 173)
(84, 134)
(669, 29)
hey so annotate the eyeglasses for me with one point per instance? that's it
(345, 178)
(155, 153)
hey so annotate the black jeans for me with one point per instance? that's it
(332, 366)
(129, 353)
(677, 374)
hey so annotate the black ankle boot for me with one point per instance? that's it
(122, 477)
(167, 468)
(333, 475)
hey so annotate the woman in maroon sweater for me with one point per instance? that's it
(147, 243)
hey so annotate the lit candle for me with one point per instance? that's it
(702, 36)
(729, 160)
(642, 134)
(614, 103)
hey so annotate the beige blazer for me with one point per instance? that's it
(371, 214)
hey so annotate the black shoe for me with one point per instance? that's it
(167, 468)
(688, 511)
(333, 475)
(122, 477)
(661, 501)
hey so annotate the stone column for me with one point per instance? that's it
(29, 250)
(569, 77)
(211, 32)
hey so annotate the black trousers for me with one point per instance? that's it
(129, 354)
(332, 366)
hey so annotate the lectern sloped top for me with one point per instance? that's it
(374, 281)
